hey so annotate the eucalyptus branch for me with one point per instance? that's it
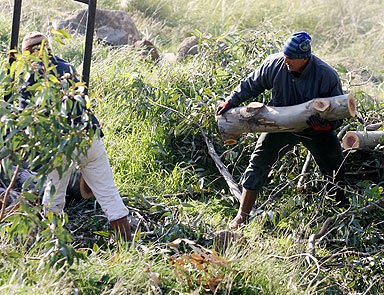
(349, 253)
(312, 239)
(232, 184)
(7, 192)
(305, 166)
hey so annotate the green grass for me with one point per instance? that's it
(123, 270)
(149, 113)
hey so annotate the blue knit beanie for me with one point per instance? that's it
(298, 45)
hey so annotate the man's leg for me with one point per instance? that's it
(248, 198)
(54, 199)
(269, 148)
(327, 152)
(98, 175)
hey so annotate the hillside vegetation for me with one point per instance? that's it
(155, 116)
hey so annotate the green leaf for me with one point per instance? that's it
(187, 205)
(103, 234)
(13, 254)
(54, 79)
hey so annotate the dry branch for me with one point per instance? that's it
(257, 117)
(7, 192)
(232, 184)
(312, 239)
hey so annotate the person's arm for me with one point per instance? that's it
(252, 86)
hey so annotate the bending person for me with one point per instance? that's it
(95, 167)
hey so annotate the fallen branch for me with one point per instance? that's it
(302, 174)
(312, 239)
(232, 184)
(350, 253)
(7, 192)
(374, 126)
(362, 139)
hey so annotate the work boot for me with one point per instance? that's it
(122, 228)
(248, 198)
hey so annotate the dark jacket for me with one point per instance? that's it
(62, 66)
(317, 80)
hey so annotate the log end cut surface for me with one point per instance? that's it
(350, 140)
(230, 141)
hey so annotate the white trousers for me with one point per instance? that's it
(97, 174)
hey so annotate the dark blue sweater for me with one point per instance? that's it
(61, 67)
(317, 80)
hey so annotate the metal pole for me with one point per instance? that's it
(14, 36)
(89, 41)
(15, 28)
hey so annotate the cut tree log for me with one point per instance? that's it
(362, 139)
(258, 117)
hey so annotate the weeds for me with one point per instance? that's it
(150, 113)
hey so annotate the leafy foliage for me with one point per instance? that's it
(152, 116)
(49, 133)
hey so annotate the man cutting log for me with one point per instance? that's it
(295, 76)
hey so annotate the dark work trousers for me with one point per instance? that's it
(324, 146)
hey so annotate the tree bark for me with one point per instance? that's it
(232, 184)
(7, 192)
(362, 139)
(257, 117)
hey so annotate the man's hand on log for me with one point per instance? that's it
(223, 107)
(318, 123)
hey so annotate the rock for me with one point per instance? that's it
(168, 58)
(189, 46)
(114, 27)
(147, 48)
